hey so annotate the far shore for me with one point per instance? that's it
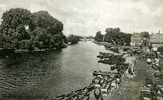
(24, 50)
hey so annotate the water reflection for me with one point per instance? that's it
(23, 73)
(51, 73)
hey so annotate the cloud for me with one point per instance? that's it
(86, 17)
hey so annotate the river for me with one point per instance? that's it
(50, 74)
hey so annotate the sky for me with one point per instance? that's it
(86, 17)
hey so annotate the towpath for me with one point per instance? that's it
(130, 88)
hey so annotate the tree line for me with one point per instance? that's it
(73, 39)
(113, 36)
(21, 29)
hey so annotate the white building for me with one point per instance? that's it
(136, 39)
(156, 39)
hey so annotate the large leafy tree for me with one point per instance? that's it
(52, 29)
(13, 27)
(145, 34)
(43, 19)
(115, 36)
(14, 18)
(21, 29)
(40, 38)
(73, 39)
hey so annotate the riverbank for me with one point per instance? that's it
(137, 88)
(130, 88)
(8, 51)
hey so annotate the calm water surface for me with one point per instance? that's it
(50, 74)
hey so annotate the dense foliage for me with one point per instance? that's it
(73, 39)
(99, 36)
(114, 36)
(21, 29)
(145, 34)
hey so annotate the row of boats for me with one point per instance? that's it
(111, 59)
(105, 81)
(81, 94)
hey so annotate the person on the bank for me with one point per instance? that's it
(97, 95)
(131, 60)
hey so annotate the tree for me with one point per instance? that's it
(15, 17)
(145, 34)
(112, 30)
(44, 20)
(52, 29)
(116, 37)
(22, 33)
(40, 38)
(21, 29)
(13, 26)
(99, 36)
(73, 39)
(127, 38)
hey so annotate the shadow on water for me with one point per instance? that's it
(24, 74)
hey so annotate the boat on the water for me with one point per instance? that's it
(96, 73)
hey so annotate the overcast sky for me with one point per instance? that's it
(86, 17)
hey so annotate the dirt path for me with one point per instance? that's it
(130, 88)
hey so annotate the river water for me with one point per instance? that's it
(50, 74)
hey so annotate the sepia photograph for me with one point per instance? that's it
(81, 49)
